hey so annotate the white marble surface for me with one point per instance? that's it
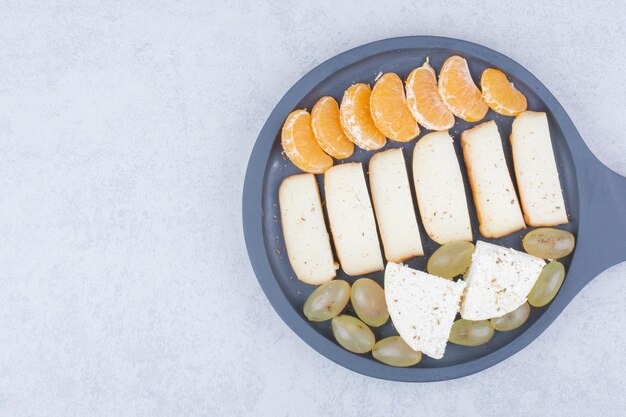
(125, 129)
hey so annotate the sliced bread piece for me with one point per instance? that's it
(422, 307)
(498, 281)
(306, 237)
(536, 171)
(351, 219)
(439, 189)
(498, 209)
(393, 205)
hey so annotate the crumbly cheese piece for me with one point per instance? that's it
(498, 281)
(306, 237)
(393, 206)
(496, 202)
(352, 220)
(535, 170)
(422, 307)
(439, 189)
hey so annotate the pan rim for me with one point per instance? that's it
(253, 229)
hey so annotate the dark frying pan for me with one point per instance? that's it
(595, 198)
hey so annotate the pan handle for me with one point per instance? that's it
(602, 236)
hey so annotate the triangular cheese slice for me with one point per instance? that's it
(422, 307)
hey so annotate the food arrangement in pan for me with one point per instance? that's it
(421, 208)
(490, 287)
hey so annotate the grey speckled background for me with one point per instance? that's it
(124, 136)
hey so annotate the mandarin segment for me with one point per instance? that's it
(500, 94)
(389, 109)
(300, 145)
(424, 100)
(458, 91)
(327, 129)
(356, 119)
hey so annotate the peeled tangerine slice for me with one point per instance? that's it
(498, 281)
(500, 94)
(352, 220)
(327, 129)
(393, 204)
(389, 109)
(424, 100)
(356, 118)
(422, 307)
(439, 189)
(300, 145)
(497, 206)
(458, 91)
(306, 237)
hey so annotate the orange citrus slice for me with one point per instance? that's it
(300, 145)
(500, 94)
(424, 100)
(356, 119)
(327, 128)
(389, 109)
(458, 91)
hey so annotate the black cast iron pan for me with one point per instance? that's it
(595, 198)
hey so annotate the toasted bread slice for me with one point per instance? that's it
(351, 219)
(439, 189)
(422, 307)
(536, 171)
(496, 202)
(306, 236)
(393, 206)
(498, 281)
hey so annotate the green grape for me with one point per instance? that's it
(549, 243)
(512, 320)
(547, 285)
(327, 301)
(471, 333)
(451, 259)
(353, 334)
(395, 352)
(368, 300)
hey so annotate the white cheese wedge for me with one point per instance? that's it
(306, 236)
(422, 307)
(351, 219)
(498, 281)
(536, 171)
(439, 189)
(498, 209)
(393, 205)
